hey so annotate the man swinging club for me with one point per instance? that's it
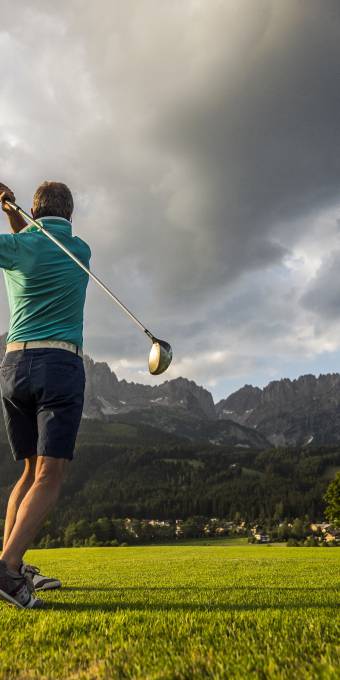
(42, 374)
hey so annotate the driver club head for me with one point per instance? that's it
(160, 356)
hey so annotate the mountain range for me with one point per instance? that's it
(301, 412)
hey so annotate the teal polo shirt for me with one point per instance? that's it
(46, 289)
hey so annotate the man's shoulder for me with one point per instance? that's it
(83, 245)
(25, 236)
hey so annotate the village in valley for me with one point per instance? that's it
(132, 531)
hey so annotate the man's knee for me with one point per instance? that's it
(50, 471)
(28, 474)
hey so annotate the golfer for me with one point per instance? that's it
(42, 374)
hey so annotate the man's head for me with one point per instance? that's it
(52, 199)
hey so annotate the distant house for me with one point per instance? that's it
(262, 537)
(218, 527)
(257, 530)
(319, 526)
(332, 535)
(178, 529)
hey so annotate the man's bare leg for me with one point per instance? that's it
(20, 490)
(34, 508)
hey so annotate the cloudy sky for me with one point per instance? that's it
(201, 141)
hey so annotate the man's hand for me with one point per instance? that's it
(6, 194)
(16, 221)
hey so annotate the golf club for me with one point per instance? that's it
(161, 353)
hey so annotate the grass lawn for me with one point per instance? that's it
(180, 612)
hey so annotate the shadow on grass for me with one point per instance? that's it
(212, 606)
(216, 589)
(180, 606)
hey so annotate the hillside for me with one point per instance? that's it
(133, 470)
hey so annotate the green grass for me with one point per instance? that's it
(179, 612)
(217, 541)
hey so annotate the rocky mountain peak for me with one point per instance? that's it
(304, 411)
(190, 395)
(105, 395)
(244, 399)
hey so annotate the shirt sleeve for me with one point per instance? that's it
(8, 251)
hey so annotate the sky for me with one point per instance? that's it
(201, 142)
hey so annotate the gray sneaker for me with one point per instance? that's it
(16, 590)
(38, 581)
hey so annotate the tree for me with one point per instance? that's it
(83, 529)
(70, 534)
(283, 531)
(332, 498)
(279, 512)
(311, 542)
(193, 527)
(297, 528)
(103, 529)
(76, 532)
(92, 540)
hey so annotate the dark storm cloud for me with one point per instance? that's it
(201, 140)
(264, 142)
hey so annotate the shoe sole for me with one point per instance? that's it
(11, 600)
(48, 586)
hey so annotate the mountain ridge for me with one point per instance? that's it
(300, 412)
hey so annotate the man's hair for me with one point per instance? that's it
(52, 199)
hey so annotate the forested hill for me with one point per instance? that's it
(132, 470)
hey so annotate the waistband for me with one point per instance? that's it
(44, 344)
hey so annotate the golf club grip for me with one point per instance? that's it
(81, 265)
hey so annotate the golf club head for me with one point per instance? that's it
(160, 356)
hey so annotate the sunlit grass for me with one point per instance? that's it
(180, 612)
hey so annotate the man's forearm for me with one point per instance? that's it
(16, 221)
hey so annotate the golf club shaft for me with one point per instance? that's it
(81, 265)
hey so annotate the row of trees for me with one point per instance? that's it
(112, 531)
(332, 498)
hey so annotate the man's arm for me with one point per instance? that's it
(16, 221)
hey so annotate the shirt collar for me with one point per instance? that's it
(60, 222)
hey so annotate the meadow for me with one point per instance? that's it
(188, 611)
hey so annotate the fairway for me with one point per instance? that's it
(179, 612)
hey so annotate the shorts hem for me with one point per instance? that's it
(18, 457)
(56, 456)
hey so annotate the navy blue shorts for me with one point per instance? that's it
(42, 394)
